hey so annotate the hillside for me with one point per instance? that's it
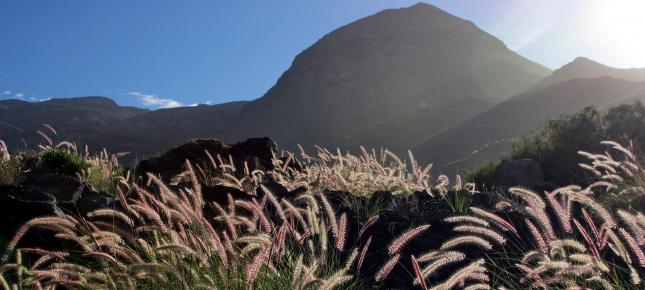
(381, 69)
(77, 118)
(582, 67)
(390, 79)
(488, 135)
(148, 134)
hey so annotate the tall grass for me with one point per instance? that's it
(166, 236)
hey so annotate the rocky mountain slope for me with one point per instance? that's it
(385, 69)
(488, 136)
(76, 118)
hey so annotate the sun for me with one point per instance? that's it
(618, 29)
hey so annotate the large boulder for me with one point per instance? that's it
(521, 172)
(38, 196)
(256, 152)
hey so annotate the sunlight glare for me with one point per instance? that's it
(617, 28)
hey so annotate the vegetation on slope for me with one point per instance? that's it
(555, 144)
(293, 229)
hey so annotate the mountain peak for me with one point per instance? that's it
(88, 100)
(583, 62)
(583, 67)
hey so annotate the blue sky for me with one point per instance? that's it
(159, 53)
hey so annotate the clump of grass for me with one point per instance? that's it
(104, 172)
(570, 239)
(9, 166)
(62, 162)
(159, 236)
(165, 241)
(361, 175)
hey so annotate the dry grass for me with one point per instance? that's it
(159, 237)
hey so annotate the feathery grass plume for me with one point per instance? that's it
(56, 222)
(363, 253)
(563, 215)
(350, 261)
(618, 247)
(466, 219)
(533, 255)
(475, 271)
(331, 214)
(335, 281)
(400, 242)
(567, 243)
(480, 286)
(632, 224)
(4, 152)
(297, 272)
(417, 272)
(537, 237)
(196, 186)
(628, 153)
(323, 236)
(466, 240)
(433, 255)
(633, 246)
(274, 201)
(503, 205)
(596, 207)
(585, 235)
(382, 274)
(531, 198)
(486, 232)
(367, 225)
(228, 220)
(111, 213)
(543, 221)
(4, 283)
(292, 209)
(253, 268)
(342, 232)
(48, 140)
(495, 219)
(440, 261)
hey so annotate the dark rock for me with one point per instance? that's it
(39, 196)
(521, 172)
(381, 197)
(255, 152)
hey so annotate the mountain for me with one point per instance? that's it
(383, 70)
(148, 134)
(582, 67)
(77, 118)
(488, 135)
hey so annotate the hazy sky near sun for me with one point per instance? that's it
(163, 53)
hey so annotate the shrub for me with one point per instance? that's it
(483, 175)
(59, 161)
(104, 173)
(555, 144)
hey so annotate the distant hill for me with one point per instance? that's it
(487, 136)
(76, 118)
(582, 67)
(148, 134)
(383, 70)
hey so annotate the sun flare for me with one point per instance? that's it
(617, 27)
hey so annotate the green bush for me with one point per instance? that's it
(57, 161)
(555, 144)
(483, 175)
